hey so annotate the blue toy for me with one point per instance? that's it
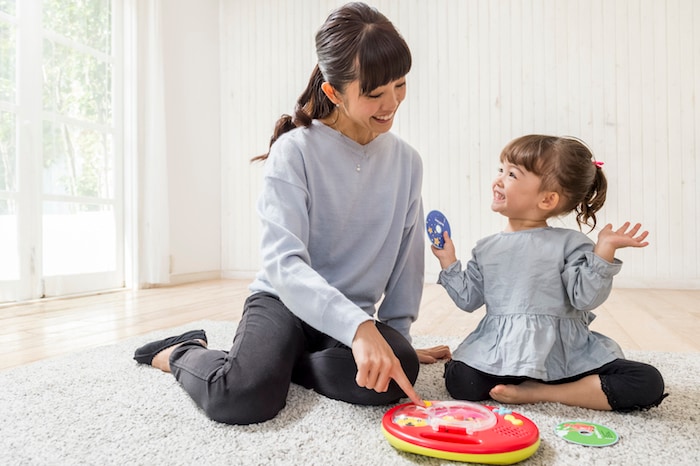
(436, 224)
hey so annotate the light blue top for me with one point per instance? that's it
(335, 240)
(539, 287)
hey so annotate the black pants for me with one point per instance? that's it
(271, 349)
(628, 385)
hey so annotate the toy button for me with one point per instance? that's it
(502, 410)
(513, 420)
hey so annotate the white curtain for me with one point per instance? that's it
(153, 219)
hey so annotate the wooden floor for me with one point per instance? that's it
(654, 320)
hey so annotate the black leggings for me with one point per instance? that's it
(271, 349)
(628, 385)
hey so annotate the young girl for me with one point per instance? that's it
(539, 285)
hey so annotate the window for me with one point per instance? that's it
(61, 196)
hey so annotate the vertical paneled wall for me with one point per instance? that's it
(623, 75)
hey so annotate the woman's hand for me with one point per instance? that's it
(610, 240)
(377, 364)
(434, 354)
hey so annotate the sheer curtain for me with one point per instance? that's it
(152, 205)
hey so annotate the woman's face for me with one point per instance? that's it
(364, 116)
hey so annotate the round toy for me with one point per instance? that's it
(586, 433)
(436, 224)
(461, 431)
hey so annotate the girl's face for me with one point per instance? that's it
(363, 117)
(516, 194)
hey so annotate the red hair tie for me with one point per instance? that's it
(598, 164)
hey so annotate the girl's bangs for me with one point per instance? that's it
(527, 152)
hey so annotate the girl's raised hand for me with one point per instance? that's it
(610, 240)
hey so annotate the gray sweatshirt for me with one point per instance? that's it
(342, 230)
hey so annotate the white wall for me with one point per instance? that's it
(192, 99)
(622, 75)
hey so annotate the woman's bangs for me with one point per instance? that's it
(383, 59)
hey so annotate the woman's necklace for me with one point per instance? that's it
(333, 125)
(358, 166)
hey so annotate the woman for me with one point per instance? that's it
(342, 230)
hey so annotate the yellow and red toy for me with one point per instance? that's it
(461, 431)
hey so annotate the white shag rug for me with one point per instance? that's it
(98, 407)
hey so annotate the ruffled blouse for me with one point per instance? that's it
(539, 287)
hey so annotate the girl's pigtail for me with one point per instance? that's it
(594, 200)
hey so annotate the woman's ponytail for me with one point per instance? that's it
(311, 104)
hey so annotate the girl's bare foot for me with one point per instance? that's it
(162, 360)
(586, 393)
(526, 392)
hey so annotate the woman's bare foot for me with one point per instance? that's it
(162, 360)
(432, 355)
